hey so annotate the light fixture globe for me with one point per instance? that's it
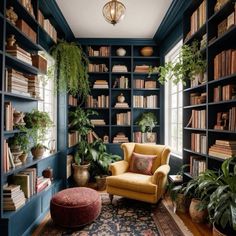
(113, 11)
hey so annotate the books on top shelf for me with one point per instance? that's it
(224, 93)
(120, 138)
(119, 68)
(197, 166)
(223, 149)
(198, 143)
(100, 84)
(102, 52)
(145, 102)
(197, 119)
(13, 197)
(72, 101)
(122, 82)
(123, 118)
(141, 68)
(102, 101)
(98, 122)
(148, 137)
(225, 63)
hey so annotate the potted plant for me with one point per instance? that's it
(71, 68)
(82, 163)
(37, 123)
(147, 122)
(188, 65)
(100, 161)
(222, 203)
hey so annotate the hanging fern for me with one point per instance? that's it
(71, 68)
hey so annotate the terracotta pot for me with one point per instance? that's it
(37, 152)
(216, 232)
(196, 215)
(23, 157)
(81, 174)
(101, 182)
(182, 203)
(146, 51)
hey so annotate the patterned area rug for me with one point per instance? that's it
(124, 217)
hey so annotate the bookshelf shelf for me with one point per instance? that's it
(194, 129)
(142, 108)
(195, 106)
(147, 90)
(196, 153)
(188, 175)
(146, 58)
(121, 89)
(216, 158)
(195, 88)
(22, 97)
(221, 80)
(221, 131)
(221, 102)
(98, 57)
(16, 131)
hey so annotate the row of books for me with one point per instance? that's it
(141, 68)
(121, 105)
(34, 86)
(96, 122)
(47, 26)
(123, 118)
(27, 30)
(223, 149)
(73, 138)
(147, 84)
(224, 93)
(8, 116)
(145, 102)
(119, 68)
(29, 7)
(139, 137)
(100, 84)
(198, 18)
(97, 68)
(226, 120)
(101, 52)
(197, 166)
(102, 101)
(13, 197)
(198, 143)
(226, 24)
(121, 82)
(42, 183)
(197, 98)
(120, 138)
(92, 136)
(72, 101)
(198, 80)
(69, 161)
(197, 119)
(225, 63)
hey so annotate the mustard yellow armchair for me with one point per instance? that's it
(147, 188)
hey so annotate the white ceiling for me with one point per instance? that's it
(141, 20)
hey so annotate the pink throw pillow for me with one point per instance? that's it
(141, 163)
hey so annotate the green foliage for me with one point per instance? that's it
(175, 190)
(83, 154)
(80, 120)
(100, 159)
(37, 123)
(188, 64)
(222, 203)
(147, 122)
(71, 68)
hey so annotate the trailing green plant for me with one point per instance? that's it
(147, 122)
(222, 204)
(22, 140)
(101, 159)
(174, 190)
(71, 68)
(80, 120)
(188, 64)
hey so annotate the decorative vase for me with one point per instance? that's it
(120, 52)
(121, 98)
(182, 203)
(23, 157)
(101, 182)
(11, 40)
(37, 152)
(198, 216)
(81, 174)
(146, 51)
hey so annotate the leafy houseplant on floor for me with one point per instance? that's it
(100, 161)
(71, 67)
(147, 122)
(37, 123)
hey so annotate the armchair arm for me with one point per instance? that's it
(160, 175)
(118, 167)
(128, 149)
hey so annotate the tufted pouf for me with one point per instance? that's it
(75, 207)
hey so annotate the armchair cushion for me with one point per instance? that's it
(141, 163)
(133, 182)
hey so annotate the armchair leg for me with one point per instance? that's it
(111, 197)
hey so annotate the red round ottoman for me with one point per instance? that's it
(75, 207)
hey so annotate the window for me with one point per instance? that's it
(49, 103)
(174, 108)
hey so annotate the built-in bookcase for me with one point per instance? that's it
(212, 99)
(128, 82)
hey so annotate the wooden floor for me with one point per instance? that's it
(194, 228)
